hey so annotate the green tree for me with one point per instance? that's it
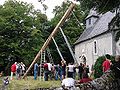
(98, 66)
(21, 29)
(101, 6)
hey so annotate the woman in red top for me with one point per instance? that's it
(13, 70)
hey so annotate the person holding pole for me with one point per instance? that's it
(63, 63)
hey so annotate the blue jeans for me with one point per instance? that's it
(35, 75)
(46, 75)
(74, 75)
(58, 74)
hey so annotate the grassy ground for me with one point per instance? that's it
(29, 84)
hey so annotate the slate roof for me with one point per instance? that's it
(100, 27)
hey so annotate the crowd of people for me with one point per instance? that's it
(69, 74)
(61, 71)
(18, 69)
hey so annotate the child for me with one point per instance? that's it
(6, 81)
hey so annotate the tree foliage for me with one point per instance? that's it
(98, 65)
(101, 6)
(21, 29)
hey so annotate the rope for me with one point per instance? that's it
(77, 20)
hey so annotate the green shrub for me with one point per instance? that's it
(98, 66)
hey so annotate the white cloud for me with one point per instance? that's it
(2, 1)
(51, 4)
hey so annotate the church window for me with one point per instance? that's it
(95, 47)
(84, 59)
(89, 21)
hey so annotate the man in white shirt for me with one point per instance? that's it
(49, 69)
(49, 66)
(70, 70)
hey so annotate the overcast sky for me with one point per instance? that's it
(50, 3)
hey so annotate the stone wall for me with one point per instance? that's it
(106, 82)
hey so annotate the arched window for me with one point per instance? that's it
(84, 59)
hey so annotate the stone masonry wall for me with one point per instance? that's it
(106, 82)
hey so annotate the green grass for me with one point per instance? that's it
(29, 83)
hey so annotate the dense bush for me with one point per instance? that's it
(98, 66)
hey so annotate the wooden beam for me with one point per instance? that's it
(56, 29)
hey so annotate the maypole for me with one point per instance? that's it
(56, 29)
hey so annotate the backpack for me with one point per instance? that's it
(19, 68)
(45, 66)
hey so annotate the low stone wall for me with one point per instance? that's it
(106, 82)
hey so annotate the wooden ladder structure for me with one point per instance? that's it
(42, 60)
(49, 55)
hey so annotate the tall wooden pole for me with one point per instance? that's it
(56, 29)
